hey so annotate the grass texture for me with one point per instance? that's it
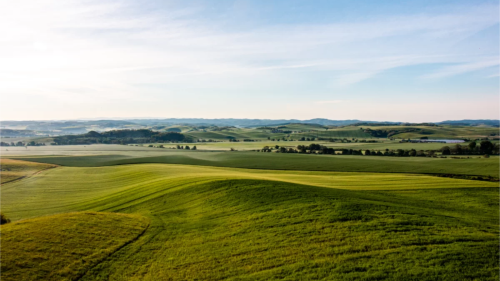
(99, 156)
(65, 246)
(16, 169)
(212, 223)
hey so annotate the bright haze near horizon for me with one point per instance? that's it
(412, 61)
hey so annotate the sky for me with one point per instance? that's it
(411, 61)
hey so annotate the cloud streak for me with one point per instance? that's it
(121, 50)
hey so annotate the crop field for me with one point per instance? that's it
(257, 145)
(213, 223)
(106, 155)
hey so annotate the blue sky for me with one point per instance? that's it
(409, 61)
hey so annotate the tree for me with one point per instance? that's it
(486, 147)
(445, 150)
(194, 148)
(367, 152)
(186, 147)
(413, 153)
(472, 145)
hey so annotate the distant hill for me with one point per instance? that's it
(72, 127)
(248, 122)
(468, 122)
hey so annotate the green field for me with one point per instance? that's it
(315, 131)
(440, 132)
(246, 146)
(16, 169)
(66, 246)
(106, 155)
(210, 223)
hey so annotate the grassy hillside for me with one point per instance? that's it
(71, 189)
(212, 223)
(64, 247)
(276, 161)
(15, 169)
(440, 132)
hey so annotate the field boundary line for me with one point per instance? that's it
(29, 176)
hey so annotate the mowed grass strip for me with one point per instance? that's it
(101, 188)
(63, 247)
(16, 169)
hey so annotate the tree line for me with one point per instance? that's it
(484, 148)
(121, 137)
(20, 143)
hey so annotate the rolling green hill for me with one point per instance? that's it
(440, 132)
(65, 246)
(210, 223)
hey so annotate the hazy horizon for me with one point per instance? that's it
(416, 61)
(268, 119)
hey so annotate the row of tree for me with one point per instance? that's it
(20, 143)
(485, 148)
(186, 147)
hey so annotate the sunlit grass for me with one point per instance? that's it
(16, 169)
(214, 223)
(64, 247)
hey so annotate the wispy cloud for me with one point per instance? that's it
(328, 101)
(464, 68)
(51, 49)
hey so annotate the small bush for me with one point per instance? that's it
(486, 156)
(3, 219)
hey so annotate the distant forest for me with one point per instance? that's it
(121, 137)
